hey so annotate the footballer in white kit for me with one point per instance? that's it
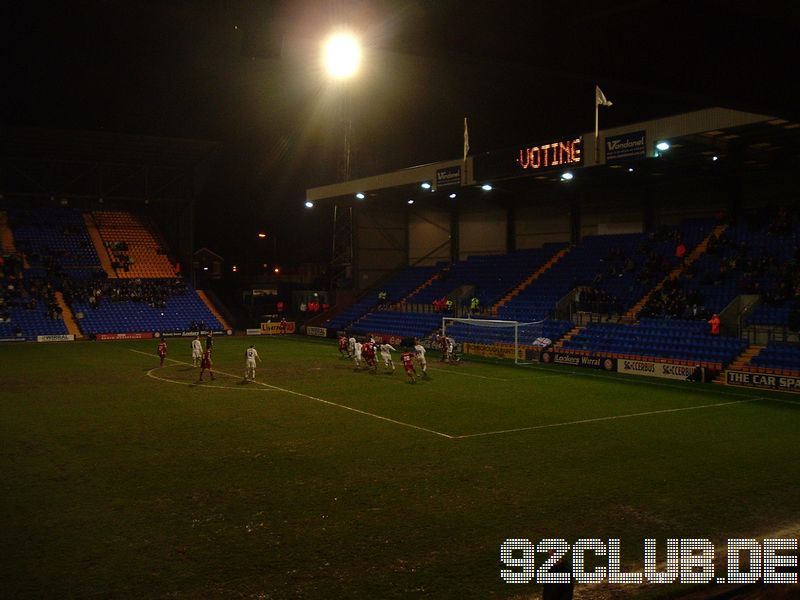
(357, 353)
(197, 351)
(419, 354)
(251, 356)
(386, 350)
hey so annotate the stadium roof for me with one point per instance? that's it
(712, 131)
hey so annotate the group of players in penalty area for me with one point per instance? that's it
(202, 357)
(364, 354)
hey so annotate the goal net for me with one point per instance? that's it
(492, 337)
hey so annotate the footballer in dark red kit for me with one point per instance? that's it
(408, 364)
(162, 350)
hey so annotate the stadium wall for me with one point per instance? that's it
(380, 243)
(541, 223)
(428, 236)
(482, 229)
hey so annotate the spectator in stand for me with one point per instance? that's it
(714, 322)
(680, 252)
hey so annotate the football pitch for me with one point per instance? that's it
(120, 478)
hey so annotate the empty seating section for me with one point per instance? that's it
(491, 275)
(778, 356)
(403, 324)
(54, 239)
(397, 288)
(152, 306)
(765, 314)
(28, 320)
(465, 332)
(688, 341)
(133, 248)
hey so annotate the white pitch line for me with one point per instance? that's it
(350, 408)
(201, 384)
(467, 374)
(611, 418)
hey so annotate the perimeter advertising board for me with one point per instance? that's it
(275, 328)
(656, 369)
(573, 360)
(763, 381)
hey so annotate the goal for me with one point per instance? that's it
(494, 337)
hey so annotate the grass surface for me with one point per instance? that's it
(121, 479)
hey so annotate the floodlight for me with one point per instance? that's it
(486, 187)
(341, 55)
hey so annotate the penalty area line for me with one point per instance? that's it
(598, 419)
(321, 400)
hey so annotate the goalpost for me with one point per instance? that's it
(494, 337)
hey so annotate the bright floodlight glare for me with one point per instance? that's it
(662, 146)
(341, 55)
(715, 158)
(567, 176)
(360, 195)
(453, 195)
(425, 186)
(486, 187)
(630, 169)
(309, 204)
(411, 202)
(262, 235)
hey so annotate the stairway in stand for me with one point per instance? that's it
(567, 336)
(698, 251)
(740, 361)
(68, 317)
(99, 245)
(6, 237)
(430, 280)
(529, 280)
(207, 301)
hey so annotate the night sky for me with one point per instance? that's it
(247, 74)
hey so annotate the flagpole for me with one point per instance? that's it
(596, 131)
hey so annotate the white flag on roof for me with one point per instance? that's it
(600, 98)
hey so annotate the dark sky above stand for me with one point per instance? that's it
(246, 73)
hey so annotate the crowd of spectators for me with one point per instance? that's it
(29, 294)
(120, 259)
(153, 292)
(757, 270)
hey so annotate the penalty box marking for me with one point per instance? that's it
(321, 400)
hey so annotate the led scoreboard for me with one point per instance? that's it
(528, 159)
